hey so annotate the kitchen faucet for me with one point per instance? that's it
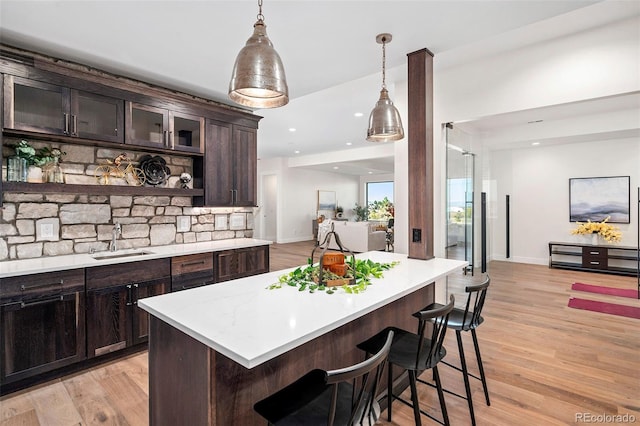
(117, 230)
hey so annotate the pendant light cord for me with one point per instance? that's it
(384, 61)
(260, 15)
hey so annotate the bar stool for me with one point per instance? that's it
(344, 396)
(415, 353)
(468, 319)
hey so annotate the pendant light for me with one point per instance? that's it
(385, 124)
(258, 78)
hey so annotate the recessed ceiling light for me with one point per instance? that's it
(292, 129)
(296, 152)
(535, 143)
(370, 173)
(358, 114)
(349, 144)
(335, 167)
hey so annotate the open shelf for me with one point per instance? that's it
(49, 188)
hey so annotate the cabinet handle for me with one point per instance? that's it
(195, 262)
(66, 123)
(74, 127)
(41, 302)
(594, 252)
(166, 138)
(173, 142)
(31, 287)
(594, 263)
(129, 296)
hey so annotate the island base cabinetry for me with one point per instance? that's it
(190, 383)
(42, 319)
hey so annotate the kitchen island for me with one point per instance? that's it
(214, 351)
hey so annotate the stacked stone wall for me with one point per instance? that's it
(34, 225)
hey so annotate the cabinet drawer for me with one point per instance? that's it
(595, 258)
(124, 273)
(191, 280)
(38, 285)
(192, 263)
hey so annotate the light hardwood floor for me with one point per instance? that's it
(546, 363)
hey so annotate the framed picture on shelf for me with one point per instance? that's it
(596, 198)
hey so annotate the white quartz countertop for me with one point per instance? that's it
(244, 321)
(59, 263)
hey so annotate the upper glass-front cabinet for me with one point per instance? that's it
(158, 127)
(40, 107)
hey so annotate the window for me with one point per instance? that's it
(380, 200)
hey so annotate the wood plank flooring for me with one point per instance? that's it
(546, 363)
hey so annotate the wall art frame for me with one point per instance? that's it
(596, 198)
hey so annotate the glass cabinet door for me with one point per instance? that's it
(186, 132)
(36, 106)
(97, 117)
(147, 125)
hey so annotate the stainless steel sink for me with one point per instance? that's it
(116, 255)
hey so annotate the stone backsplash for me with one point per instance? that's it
(34, 225)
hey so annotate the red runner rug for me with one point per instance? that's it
(622, 292)
(607, 308)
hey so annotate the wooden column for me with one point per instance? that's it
(420, 165)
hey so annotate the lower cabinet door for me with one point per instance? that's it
(41, 335)
(140, 317)
(108, 312)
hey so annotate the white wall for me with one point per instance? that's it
(602, 62)
(298, 196)
(537, 179)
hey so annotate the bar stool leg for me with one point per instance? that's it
(443, 405)
(465, 374)
(480, 367)
(389, 390)
(414, 397)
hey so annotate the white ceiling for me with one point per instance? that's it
(328, 49)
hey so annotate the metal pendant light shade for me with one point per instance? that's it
(385, 124)
(258, 78)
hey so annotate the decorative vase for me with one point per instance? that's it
(54, 172)
(34, 174)
(16, 169)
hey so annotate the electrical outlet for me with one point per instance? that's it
(417, 235)
(184, 223)
(46, 230)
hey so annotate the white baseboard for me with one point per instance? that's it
(517, 259)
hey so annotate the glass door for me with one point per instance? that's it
(460, 196)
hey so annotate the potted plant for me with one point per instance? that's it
(361, 213)
(33, 160)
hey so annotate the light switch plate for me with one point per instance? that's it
(46, 230)
(184, 223)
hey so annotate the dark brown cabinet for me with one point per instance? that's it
(158, 127)
(238, 263)
(114, 320)
(609, 259)
(191, 271)
(40, 107)
(230, 165)
(43, 325)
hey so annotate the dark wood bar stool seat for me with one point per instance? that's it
(468, 319)
(344, 396)
(416, 352)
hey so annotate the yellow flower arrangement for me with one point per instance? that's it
(610, 233)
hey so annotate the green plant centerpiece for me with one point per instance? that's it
(335, 269)
(306, 277)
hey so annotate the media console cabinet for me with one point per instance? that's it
(608, 259)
